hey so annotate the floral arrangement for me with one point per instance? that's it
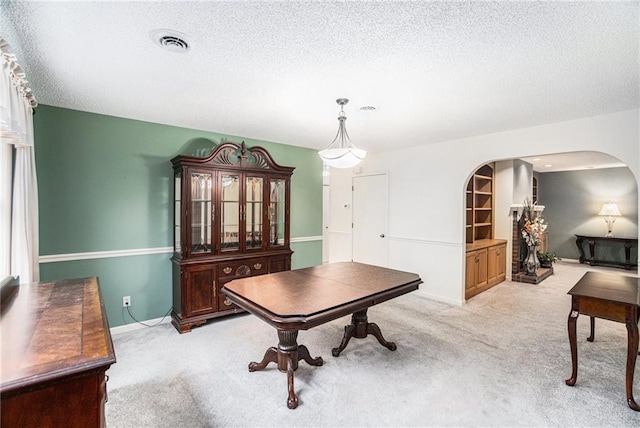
(533, 225)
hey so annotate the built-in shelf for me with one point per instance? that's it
(485, 264)
(479, 221)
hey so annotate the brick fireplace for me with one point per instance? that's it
(519, 251)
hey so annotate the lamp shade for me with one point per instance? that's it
(609, 209)
(342, 157)
(341, 153)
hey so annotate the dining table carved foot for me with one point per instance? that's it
(303, 353)
(349, 331)
(271, 356)
(375, 330)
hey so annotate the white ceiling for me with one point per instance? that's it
(436, 71)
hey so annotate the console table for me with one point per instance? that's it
(628, 243)
(306, 298)
(611, 297)
(56, 347)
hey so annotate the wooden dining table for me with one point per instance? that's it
(302, 299)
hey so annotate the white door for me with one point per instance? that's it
(370, 208)
(325, 224)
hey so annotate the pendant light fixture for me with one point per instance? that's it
(341, 153)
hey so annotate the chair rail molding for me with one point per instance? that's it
(55, 258)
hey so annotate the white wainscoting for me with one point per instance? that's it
(339, 246)
(439, 264)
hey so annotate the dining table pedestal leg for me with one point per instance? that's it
(360, 328)
(286, 356)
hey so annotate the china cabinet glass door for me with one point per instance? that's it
(253, 212)
(276, 212)
(201, 201)
(230, 215)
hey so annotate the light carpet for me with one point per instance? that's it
(499, 360)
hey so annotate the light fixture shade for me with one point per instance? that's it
(609, 209)
(340, 157)
(341, 153)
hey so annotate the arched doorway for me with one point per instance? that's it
(572, 187)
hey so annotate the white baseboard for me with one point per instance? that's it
(136, 326)
(441, 299)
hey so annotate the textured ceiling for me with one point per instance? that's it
(435, 71)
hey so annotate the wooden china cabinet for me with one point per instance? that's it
(231, 220)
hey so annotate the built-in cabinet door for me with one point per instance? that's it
(476, 272)
(496, 264)
(492, 264)
(470, 272)
(201, 291)
(502, 262)
(481, 265)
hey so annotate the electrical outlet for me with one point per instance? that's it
(126, 301)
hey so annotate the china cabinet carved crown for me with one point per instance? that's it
(231, 220)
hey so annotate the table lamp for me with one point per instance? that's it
(609, 211)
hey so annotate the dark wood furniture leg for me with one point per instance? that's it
(571, 326)
(360, 328)
(271, 356)
(592, 336)
(632, 354)
(286, 356)
(582, 257)
(592, 250)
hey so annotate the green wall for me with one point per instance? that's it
(104, 184)
(572, 201)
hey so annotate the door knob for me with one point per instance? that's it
(382, 235)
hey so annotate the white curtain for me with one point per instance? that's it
(19, 216)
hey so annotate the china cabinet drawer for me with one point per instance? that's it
(243, 268)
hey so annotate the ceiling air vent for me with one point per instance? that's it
(170, 40)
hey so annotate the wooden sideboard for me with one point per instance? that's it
(593, 259)
(56, 347)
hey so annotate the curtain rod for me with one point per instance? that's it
(17, 74)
